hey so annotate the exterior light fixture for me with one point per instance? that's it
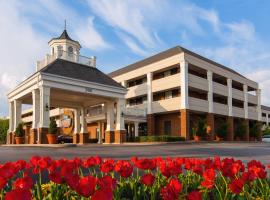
(47, 107)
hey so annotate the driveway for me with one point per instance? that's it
(243, 151)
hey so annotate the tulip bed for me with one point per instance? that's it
(138, 178)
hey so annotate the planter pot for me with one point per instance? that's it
(51, 138)
(19, 140)
(219, 138)
(197, 138)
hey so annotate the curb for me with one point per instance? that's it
(40, 145)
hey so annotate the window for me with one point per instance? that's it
(70, 51)
(60, 50)
(264, 114)
(168, 94)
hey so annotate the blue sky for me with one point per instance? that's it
(119, 32)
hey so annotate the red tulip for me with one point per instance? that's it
(23, 183)
(3, 182)
(194, 195)
(18, 194)
(148, 179)
(86, 186)
(107, 166)
(72, 180)
(171, 190)
(107, 182)
(236, 186)
(56, 177)
(144, 163)
(123, 168)
(102, 195)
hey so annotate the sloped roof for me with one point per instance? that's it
(65, 36)
(265, 108)
(165, 54)
(78, 71)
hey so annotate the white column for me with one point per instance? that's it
(136, 125)
(149, 92)
(124, 83)
(36, 108)
(229, 85)
(17, 113)
(99, 133)
(110, 116)
(83, 121)
(184, 84)
(76, 121)
(44, 107)
(259, 107)
(245, 90)
(120, 121)
(267, 119)
(210, 91)
(11, 116)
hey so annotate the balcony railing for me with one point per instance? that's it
(66, 56)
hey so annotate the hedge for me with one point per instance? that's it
(159, 138)
(3, 130)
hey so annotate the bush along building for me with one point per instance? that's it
(174, 93)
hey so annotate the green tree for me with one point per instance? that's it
(222, 130)
(4, 125)
(240, 128)
(53, 127)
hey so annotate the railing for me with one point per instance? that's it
(135, 112)
(66, 56)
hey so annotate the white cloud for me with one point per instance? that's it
(127, 16)
(90, 38)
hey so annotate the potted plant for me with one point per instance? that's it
(195, 136)
(52, 134)
(222, 131)
(19, 133)
(200, 130)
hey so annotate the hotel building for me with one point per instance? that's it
(165, 94)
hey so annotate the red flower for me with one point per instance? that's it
(236, 186)
(170, 168)
(209, 184)
(23, 183)
(3, 182)
(209, 178)
(86, 186)
(102, 194)
(56, 177)
(72, 180)
(171, 190)
(18, 194)
(144, 163)
(148, 179)
(107, 166)
(107, 182)
(124, 168)
(194, 195)
(92, 161)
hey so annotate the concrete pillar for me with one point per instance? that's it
(184, 104)
(44, 93)
(229, 85)
(83, 136)
(77, 128)
(124, 83)
(259, 130)
(210, 92)
(230, 134)
(259, 106)
(246, 134)
(185, 123)
(100, 133)
(150, 124)
(149, 92)
(210, 122)
(136, 125)
(17, 113)
(120, 132)
(11, 122)
(245, 90)
(109, 134)
(36, 116)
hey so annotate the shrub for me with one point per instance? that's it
(159, 138)
(53, 127)
(253, 132)
(200, 128)
(3, 130)
(19, 132)
(222, 130)
(240, 128)
(266, 131)
(93, 140)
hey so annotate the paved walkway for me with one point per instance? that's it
(243, 151)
